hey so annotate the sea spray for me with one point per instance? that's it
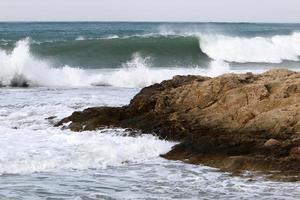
(21, 64)
(273, 49)
(21, 68)
(52, 150)
(218, 67)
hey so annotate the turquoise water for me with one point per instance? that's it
(110, 45)
(72, 66)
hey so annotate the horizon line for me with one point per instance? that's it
(146, 21)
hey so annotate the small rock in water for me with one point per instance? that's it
(50, 118)
(19, 81)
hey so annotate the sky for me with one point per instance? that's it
(151, 10)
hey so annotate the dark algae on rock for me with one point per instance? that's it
(235, 122)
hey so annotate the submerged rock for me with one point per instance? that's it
(234, 121)
(19, 81)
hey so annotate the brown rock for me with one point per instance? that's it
(295, 152)
(271, 143)
(230, 116)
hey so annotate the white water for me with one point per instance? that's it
(257, 49)
(51, 149)
(38, 161)
(137, 72)
(19, 65)
(29, 143)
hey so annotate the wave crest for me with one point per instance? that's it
(257, 49)
(20, 68)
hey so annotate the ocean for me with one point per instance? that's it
(73, 66)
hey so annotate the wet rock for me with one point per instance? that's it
(51, 117)
(295, 152)
(19, 81)
(224, 122)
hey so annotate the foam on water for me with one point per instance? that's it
(20, 66)
(39, 161)
(20, 63)
(80, 38)
(137, 73)
(30, 144)
(256, 49)
(29, 151)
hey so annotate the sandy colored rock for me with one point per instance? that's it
(272, 143)
(219, 121)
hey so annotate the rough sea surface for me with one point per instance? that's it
(72, 66)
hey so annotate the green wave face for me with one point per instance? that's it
(111, 53)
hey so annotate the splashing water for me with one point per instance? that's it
(256, 49)
(21, 67)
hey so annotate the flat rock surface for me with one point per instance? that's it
(234, 121)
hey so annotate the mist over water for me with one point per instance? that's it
(73, 66)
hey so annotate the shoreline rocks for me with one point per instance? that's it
(234, 122)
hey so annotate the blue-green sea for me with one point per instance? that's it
(72, 66)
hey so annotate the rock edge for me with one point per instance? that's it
(234, 122)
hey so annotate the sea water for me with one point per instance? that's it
(73, 66)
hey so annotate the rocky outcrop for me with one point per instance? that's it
(234, 121)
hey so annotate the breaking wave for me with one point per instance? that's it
(169, 49)
(274, 49)
(20, 68)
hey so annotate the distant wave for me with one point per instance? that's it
(112, 52)
(133, 62)
(168, 49)
(20, 68)
(257, 49)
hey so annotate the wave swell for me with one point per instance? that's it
(167, 50)
(20, 68)
(112, 52)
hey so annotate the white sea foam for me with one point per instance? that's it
(101, 164)
(29, 143)
(137, 73)
(20, 66)
(20, 63)
(109, 37)
(80, 38)
(51, 149)
(218, 67)
(257, 49)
